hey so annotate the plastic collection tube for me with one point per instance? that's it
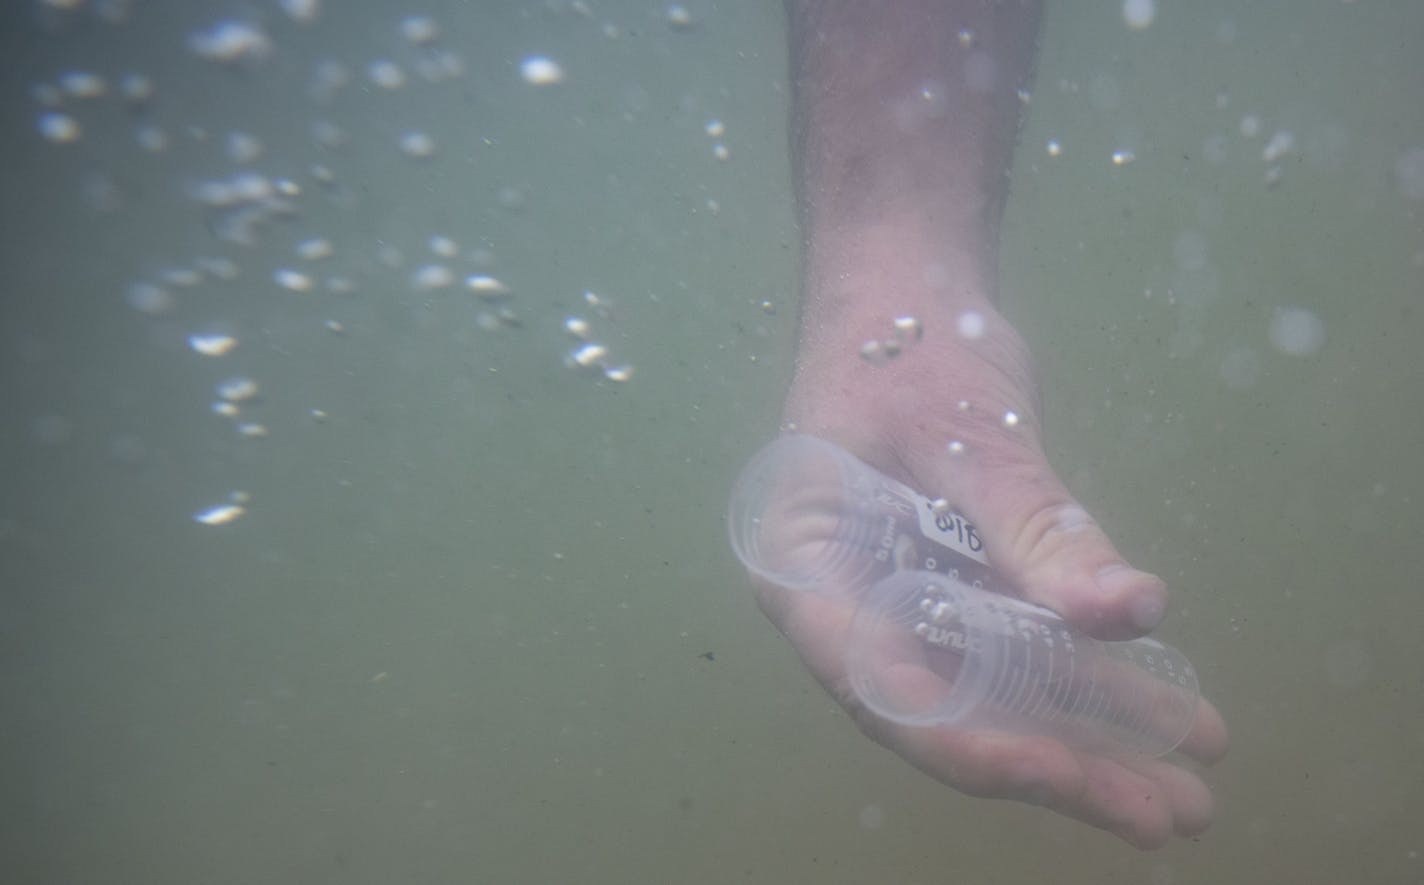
(808, 515)
(929, 643)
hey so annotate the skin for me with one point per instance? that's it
(903, 134)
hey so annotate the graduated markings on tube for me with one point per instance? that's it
(942, 637)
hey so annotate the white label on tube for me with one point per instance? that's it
(950, 529)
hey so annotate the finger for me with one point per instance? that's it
(1140, 799)
(1189, 798)
(1130, 804)
(1208, 739)
(1042, 541)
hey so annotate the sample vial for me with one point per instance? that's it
(925, 649)
(808, 515)
(931, 643)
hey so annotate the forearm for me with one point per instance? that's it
(904, 117)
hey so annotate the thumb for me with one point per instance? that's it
(1045, 544)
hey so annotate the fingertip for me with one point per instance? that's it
(1121, 583)
(1149, 607)
(1130, 804)
(1129, 602)
(1209, 738)
(1190, 799)
(1194, 815)
(1113, 602)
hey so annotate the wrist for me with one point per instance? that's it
(859, 278)
(961, 350)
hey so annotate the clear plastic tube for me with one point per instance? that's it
(925, 649)
(808, 515)
(931, 643)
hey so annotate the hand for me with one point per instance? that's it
(900, 417)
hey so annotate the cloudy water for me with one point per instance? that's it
(374, 376)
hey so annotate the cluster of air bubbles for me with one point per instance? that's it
(259, 195)
(905, 330)
(587, 354)
(716, 129)
(58, 119)
(233, 395)
(240, 205)
(1277, 148)
(496, 296)
(156, 296)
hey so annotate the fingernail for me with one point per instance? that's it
(1148, 608)
(1149, 597)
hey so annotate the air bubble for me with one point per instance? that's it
(58, 128)
(970, 325)
(302, 11)
(1138, 14)
(443, 246)
(486, 286)
(417, 144)
(83, 84)
(419, 29)
(1278, 146)
(431, 276)
(315, 249)
(908, 328)
(385, 74)
(679, 18)
(221, 514)
(229, 41)
(148, 298)
(541, 70)
(212, 345)
(873, 352)
(1297, 332)
(238, 390)
(1409, 174)
(292, 280)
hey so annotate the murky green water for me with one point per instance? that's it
(457, 633)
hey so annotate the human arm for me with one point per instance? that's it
(903, 121)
